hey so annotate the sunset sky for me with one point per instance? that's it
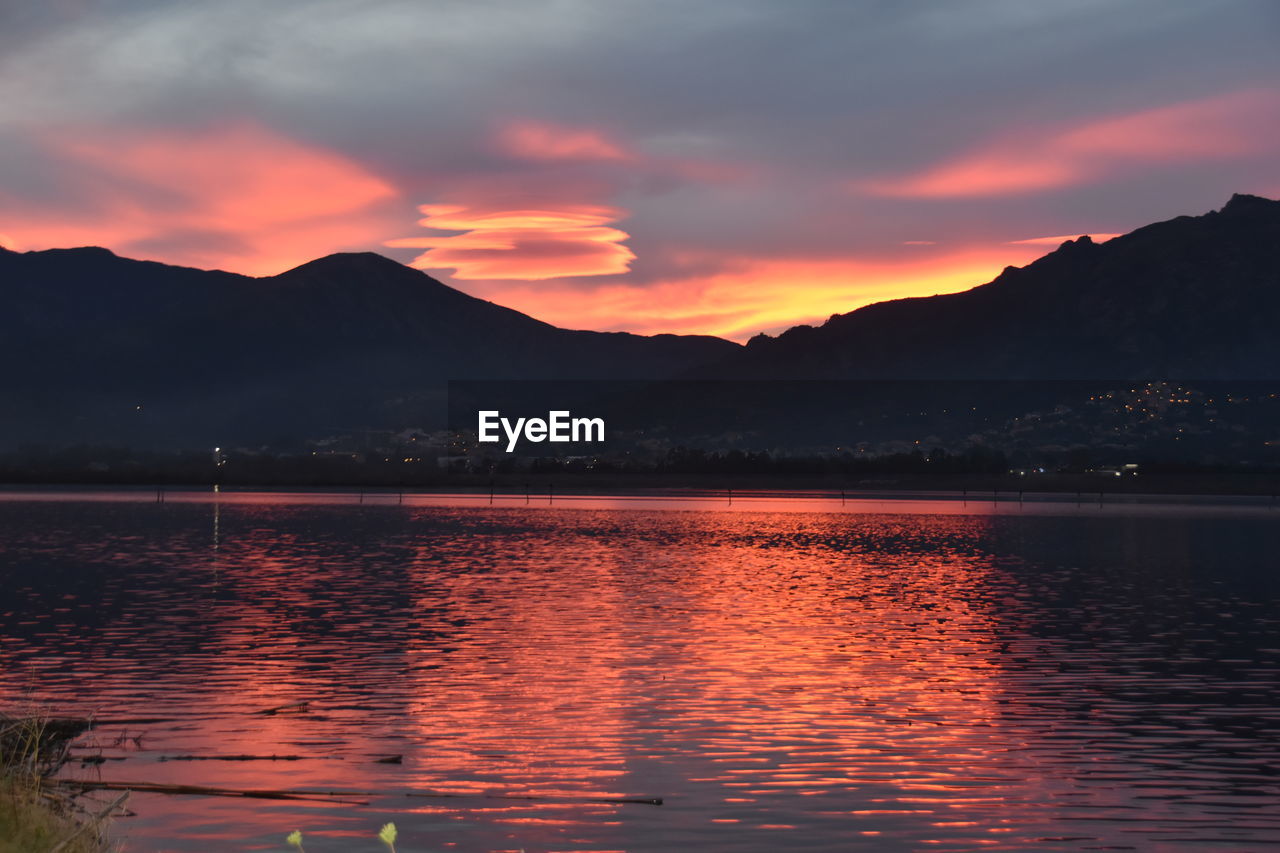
(642, 165)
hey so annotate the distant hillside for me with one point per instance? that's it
(1191, 298)
(105, 349)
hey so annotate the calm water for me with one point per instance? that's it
(798, 675)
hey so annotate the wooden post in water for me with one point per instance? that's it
(551, 492)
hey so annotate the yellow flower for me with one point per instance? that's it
(294, 839)
(388, 835)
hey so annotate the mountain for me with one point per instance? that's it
(105, 349)
(1191, 298)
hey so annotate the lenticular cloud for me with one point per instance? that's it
(527, 244)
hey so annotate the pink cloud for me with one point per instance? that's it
(1024, 161)
(238, 197)
(542, 141)
(548, 143)
(528, 244)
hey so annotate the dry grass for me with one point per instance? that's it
(30, 823)
(35, 817)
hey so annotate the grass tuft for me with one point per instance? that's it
(35, 817)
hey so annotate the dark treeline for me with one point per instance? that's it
(977, 467)
(685, 460)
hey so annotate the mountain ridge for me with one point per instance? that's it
(113, 349)
(1212, 282)
(349, 339)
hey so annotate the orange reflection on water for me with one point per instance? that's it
(809, 687)
(855, 676)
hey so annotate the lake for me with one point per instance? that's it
(798, 673)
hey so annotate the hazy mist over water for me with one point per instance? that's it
(890, 676)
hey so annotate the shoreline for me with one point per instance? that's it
(905, 486)
(670, 498)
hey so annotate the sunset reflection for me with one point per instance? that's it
(880, 671)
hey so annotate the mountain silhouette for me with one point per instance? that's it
(1191, 298)
(101, 348)
(107, 350)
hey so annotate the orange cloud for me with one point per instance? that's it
(528, 244)
(757, 294)
(531, 140)
(238, 197)
(1023, 162)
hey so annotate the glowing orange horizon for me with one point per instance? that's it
(755, 295)
(243, 197)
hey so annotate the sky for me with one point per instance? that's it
(722, 167)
